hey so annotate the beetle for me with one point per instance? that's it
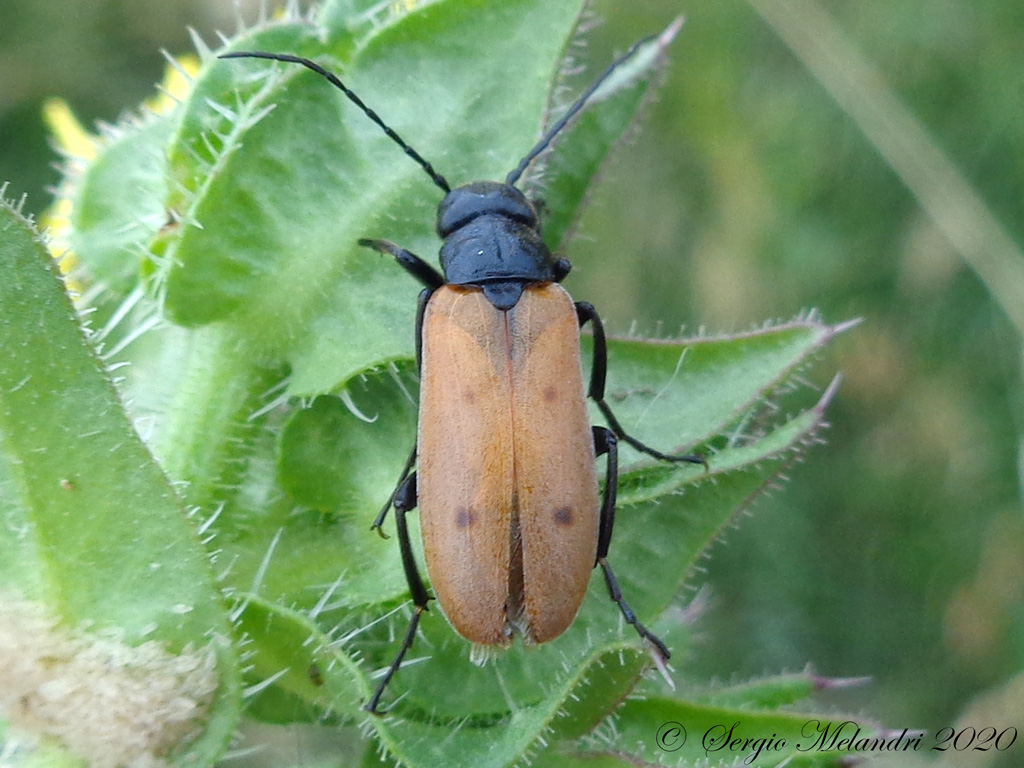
(503, 469)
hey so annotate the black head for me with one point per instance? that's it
(492, 239)
(462, 205)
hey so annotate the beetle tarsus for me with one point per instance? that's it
(691, 458)
(404, 500)
(627, 612)
(606, 443)
(410, 636)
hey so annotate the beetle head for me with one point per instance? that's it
(492, 239)
(478, 198)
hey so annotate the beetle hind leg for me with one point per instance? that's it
(606, 444)
(404, 501)
(627, 612)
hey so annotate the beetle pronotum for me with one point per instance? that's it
(505, 480)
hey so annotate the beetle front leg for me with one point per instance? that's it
(585, 312)
(404, 500)
(409, 261)
(606, 443)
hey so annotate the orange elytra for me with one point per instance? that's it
(503, 473)
(504, 430)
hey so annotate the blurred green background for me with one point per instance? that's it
(749, 193)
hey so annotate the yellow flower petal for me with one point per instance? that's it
(77, 143)
(72, 139)
(176, 84)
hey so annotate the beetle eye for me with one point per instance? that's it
(562, 268)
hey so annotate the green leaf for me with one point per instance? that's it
(120, 202)
(96, 552)
(679, 393)
(770, 692)
(672, 732)
(556, 759)
(503, 741)
(580, 151)
(302, 660)
(320, 445)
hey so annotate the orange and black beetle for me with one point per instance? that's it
(505, 482)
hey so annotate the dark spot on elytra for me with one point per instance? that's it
(563, 516)
(464, 517)
(468, 396)
(550, 394)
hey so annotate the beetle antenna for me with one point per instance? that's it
(334, 80)
(578, 105)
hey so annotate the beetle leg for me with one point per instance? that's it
(378, 521)
(421, 309)
(598, 373)
(605, 442)
(405, 500)
(410, 262)
(627, 612)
